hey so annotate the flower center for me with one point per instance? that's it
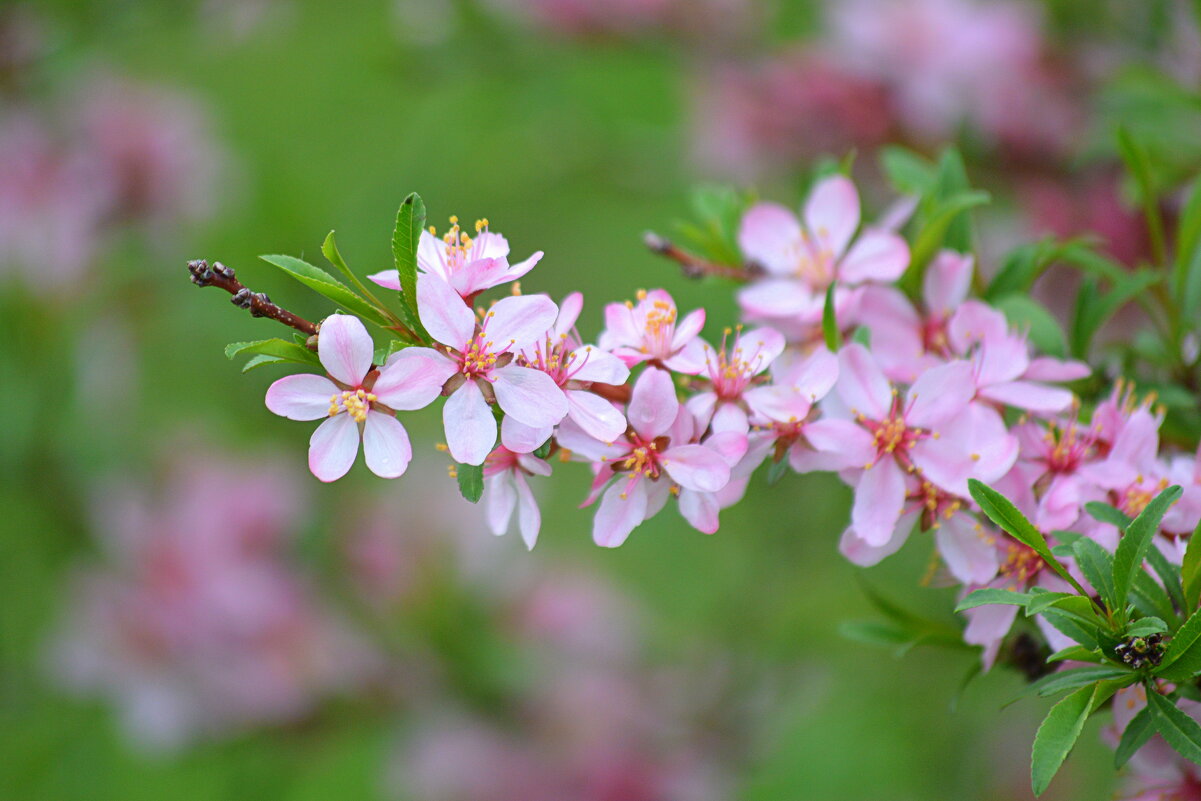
(478, 359)
(729, 371)
(457, 245)
(815, 262)
(356, 403)
(1021, 564)
(1136, 497)
(1068, 446)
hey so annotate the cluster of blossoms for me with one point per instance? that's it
(910, 397)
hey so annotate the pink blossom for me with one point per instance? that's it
(574, 368)
(936, 431)
(358, 401)
(634, 468)
(733, 373)
(505, 481)
(468, 265)
(802, 259)
(474, 364)
(648, 332)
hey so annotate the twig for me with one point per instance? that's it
(257, 303)
(695, 267)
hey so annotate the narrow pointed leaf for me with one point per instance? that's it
(406, 236)
(1178, 729)
(1139, 731)
(325, 284)
(1058, 734)
(471, 481)
(992, 595)
(830, 330)
(1097, 565)
(1132, 549)
(1183, 655)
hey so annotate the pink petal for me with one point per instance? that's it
(879, 496)
(499, 501)
(687, 329)
(779, 298)
(974, 322)
(301, 397)
(1047, 368)
(412, 378)
(653, 405)
(593, 364)
(529, 395)
(700, 509)
(573, 438)
(940, 393)
(696, 467)
(619, 513)
(619, 327)
(520, 438)
(861, 384)
(529, 518)
(973, 444)
(858, 552)
(569, 312)
(771, 235)
(832, 212)
(814, 375)
(430, 250)
(443, 312)
(877, 255)
(730, 446)
(948, 281)
(388, 279)
(469, 425)
(1027, 395)
(896, 332)
(781, 404)
(969, 551)
(522, 267)
(762, 346)
(489, 245)
(345, 348)
(1001, 358)
(333, 446)
(987, 626)
(595, 415)
(386, 446)
(517, 321)
(850, 445)
(730, 418)
(689, 360)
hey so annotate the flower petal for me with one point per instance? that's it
(700, 509)
(861, 383)
(595, 415)
(529, 395)
(858, 552)
(345, 348)
(832, 212)
(412, 378)
(939, 394)
(771, 235)
(301, 397)
(593, 364)
(333, 446)
(696, 467)
(947, 282)
(845, 444)
(879, 496)
(520, 438)
(388, 279)
(687, 329)
(876, 256)
(386, 447)
(689, 360)
(970, 553)
(469, 425)
(443, 312)
(1037, 398)
(653, 404)
(619, 513)
(529, 517)
(569, 312)
(499, 502)
(517, 321)
(1048, 368)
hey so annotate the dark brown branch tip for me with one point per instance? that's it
(257, 303)
(693, 266)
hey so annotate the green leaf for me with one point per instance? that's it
(908, 172)
(406, 236)
(1058, 734)
(830, 328)
(1025, 313)
(1107, 514)
(1187, 280)
(278, 349)
(1169, 574)
(776, 471)
(992, 595)
(1138, 162)
(471, 481)
(1139, 730)
(937, 232)
(261, 360)
(875, 632)
(1183, 655)
(1074, 678)
(325, 284)
(1075, 653)
(1097, 565)
(1074, 627)
(1001, 511)
(1132, 548)
(1190, 572)
(1178, 729)
(1146, 626)
(1094, 308)
(1042, 599)
(1022, 268)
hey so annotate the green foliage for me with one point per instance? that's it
(406, 237)
(1058, 734)
(1133, 547)
(1025, 313)
(273, 351)
(1139, 730)
(1178, 729)
(830, 329)
(713, 232)
(471, 481)
(325, 284)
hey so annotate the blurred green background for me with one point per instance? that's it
(330, 113)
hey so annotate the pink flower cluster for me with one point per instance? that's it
(196, 624)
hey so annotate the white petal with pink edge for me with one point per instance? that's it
(619, 513)
(388, 279)
(939, 394)
(879, 496)
(345, 348)
(333, 447)
(469, 425)
(700, 509)
(696, 467)
(529, 517)
(653, 404)
(771, 235)
(301, 397)
(832, 212)
(595, 415)
(861, 383)
(386, 447)
(877, 255)
(947, 282)
(412, 378)
(499, 502)
(520, 438)
(529, 395)
(514, 322)
(969, 551)
(443, 313)
(590, 363)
